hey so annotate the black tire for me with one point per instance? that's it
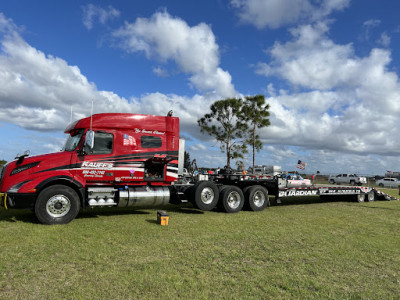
(381, 184)
(256, 198)
(332, 181)
(360, 198)
(57, 204)
(205, 195)
(232, 199)
(371, 196)
(222, 187)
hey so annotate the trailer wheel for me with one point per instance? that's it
(232, 199)
(222, 187)
(371, 196)
(360, 197)
(256, 198)
(205, 195)
(57, 204)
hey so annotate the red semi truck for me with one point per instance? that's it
(133, 160)
(121, 160)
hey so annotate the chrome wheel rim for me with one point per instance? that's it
(207, 195)
(258, 198)
(371, 196)
(234, 200)
(361, 197)
(58, 206)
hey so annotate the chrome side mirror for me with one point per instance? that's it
(89, 140)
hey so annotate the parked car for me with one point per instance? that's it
(295, 180)
(388, 182)
(352, 179)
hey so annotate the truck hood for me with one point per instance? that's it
(39, 163)
(28, 169)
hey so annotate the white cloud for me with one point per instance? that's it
(342, 103)
(349, 103)
(38, 91)
(369, 25)
(277, 13)
(93, 13)
(384, 40)
(193, 49)
(312, 60)
(161, 72)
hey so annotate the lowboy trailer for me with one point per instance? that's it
(277, 188)
(132, 160)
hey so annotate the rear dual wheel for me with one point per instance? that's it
(360, 198)
(371, 196)
(205, 195)
(231, 199)
(256, 198)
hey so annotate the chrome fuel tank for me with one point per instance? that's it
(144, 196)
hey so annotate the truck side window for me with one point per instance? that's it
(103, 143)
(149, 141)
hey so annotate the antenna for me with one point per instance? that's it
(91, 116)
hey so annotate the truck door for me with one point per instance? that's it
(129, 166)
(97, 165)
(340, 178)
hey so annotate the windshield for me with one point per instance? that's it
(72, 141)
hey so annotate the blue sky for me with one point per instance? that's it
(328, 68)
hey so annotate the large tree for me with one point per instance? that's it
(186, 161)
(255, 113)
(224, 122)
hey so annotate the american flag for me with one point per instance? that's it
(301, 165)
(128, 140)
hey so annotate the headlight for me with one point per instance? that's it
(15, 188)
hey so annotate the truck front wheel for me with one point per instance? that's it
(57, 204)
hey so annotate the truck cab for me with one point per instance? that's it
(108, 159)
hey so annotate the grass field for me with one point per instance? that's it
(300, 249)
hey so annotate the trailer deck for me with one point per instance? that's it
(360, 193)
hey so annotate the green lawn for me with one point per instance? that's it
(300, 249)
